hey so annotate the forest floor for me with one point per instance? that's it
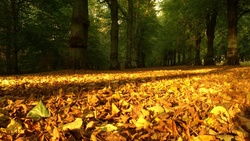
(171, 103)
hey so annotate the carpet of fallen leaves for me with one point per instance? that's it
(174, 103)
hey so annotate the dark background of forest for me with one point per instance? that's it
(45, 35)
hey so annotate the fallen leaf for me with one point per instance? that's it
(90, 125)
(39, 111)
(157, 109)
(204, 138)
(141, 123)
(108, 128)
(73, 125)
(14, 127)
(115, 109)
(56, 134)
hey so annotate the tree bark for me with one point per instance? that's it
(114, 63)
(79, 34)
(197, 49)
(128, 63)
(210, 25)
(15, 11)
(178, 58)
(184, 58)
(232, 57)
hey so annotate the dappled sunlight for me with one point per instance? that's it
(94, 77)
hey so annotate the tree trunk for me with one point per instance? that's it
(128, 63)
(79, 34)
(197, 49)
(15, 9)
(174, 57)
(178, 58)
(232, 57)
(210, 25)
(184, 58)
(8, 48)
(114, 63)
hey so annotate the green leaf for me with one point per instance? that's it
(39, 111)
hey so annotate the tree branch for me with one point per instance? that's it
(124, 13)
(243, 13)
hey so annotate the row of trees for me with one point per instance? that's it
(192, 21)
(110, 34)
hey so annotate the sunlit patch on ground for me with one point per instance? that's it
(186, 103)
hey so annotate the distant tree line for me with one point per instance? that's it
(40, 36)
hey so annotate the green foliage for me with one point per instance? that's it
(41, 34)
(244, 38)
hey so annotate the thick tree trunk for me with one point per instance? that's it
(232, 57)
(197, 49)
(79, 34)
(15, 11)
(210, 25)
(128, 63)
(114, 63)
(8, 48)
(136, 34)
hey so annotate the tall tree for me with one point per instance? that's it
(210, 30)
(232, 57)
(233, 6)
(79, 33)
(114, 63)
(129, 33)
(197, 49)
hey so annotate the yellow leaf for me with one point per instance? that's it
(123, 103)
(157, 109)
(73, 125)
(144, 113)
(69, 100)
(89, 114)
(157, 119)
(116, 96)
(109, 128)
(141, 123)
(248, 99)
(56, 134)
(93, 137)
(219, 114)
(234, 110)
(203, 90)
(60, 91)
(128, 110)
(225, 137)
(14, 127)
(209, 121)
(91, 124)
(93, 99)
(220, 110)
(115, 110)
(203, 138)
